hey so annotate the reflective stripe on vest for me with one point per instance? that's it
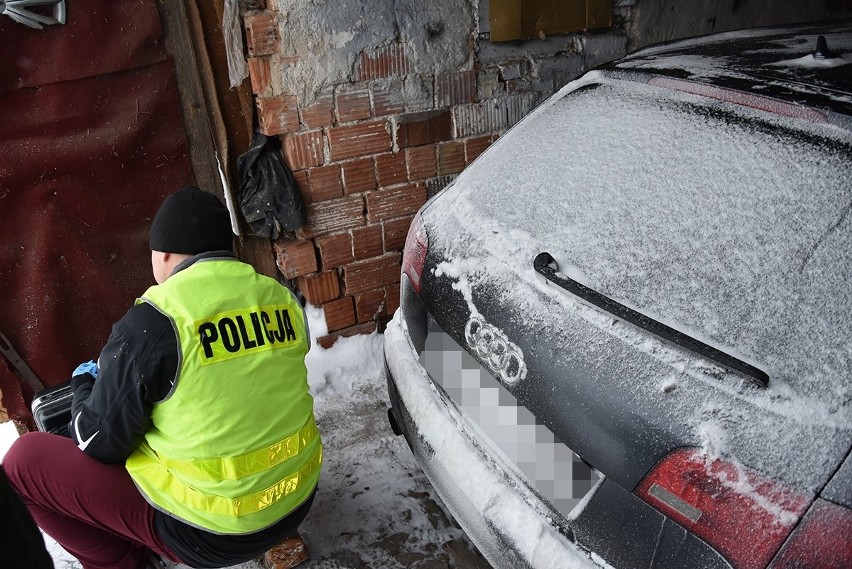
(233, 467)
(241, 505)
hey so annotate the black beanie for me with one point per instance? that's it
(191, 221)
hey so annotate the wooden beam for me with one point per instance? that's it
(179, 47)
(219, 120)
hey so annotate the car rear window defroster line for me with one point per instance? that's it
(545, 265)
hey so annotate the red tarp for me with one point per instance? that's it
(91, 140)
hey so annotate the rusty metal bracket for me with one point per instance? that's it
(19, 10)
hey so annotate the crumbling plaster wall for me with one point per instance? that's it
(322, 41)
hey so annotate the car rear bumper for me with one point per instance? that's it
(513, 525)
(478, 491)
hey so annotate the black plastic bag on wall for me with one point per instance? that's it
(269, 198)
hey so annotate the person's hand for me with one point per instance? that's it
(89, 367)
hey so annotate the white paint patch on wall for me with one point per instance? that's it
(322, 41)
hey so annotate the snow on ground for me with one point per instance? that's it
(375, 507)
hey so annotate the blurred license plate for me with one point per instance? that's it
(559, 475)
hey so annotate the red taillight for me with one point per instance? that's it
(742, 514)
(822, 541)
(414, 255)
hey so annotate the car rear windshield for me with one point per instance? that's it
(727, 223)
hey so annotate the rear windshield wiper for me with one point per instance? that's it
(546, 266)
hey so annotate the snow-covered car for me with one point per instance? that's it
(625, 331)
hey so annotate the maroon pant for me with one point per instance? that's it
(91, 509)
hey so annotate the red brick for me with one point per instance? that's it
(388, 100)
(370, 305)
(395, 202)
(304, 149)
(392, 299)
(395, 233)
(365, 328)
(278, 115)
(359, 176)
(288, 553)
(320, 113)
(319, 288)
(362, 276)
(301, 178)
(295, 258)
(450, 158)
(455, 88)
(260, 73)
(359, 140)
(424, 128)
(386, 61)
(335, 250)
(353, 105)
(328, 340)
(333, 216)
(390, 169)
(326, 183)
(367, 242)
(516, 86)
(422, 162)
(476, 146)
(339, 313)
(261, 33)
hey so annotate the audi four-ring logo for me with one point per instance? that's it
(503, 358)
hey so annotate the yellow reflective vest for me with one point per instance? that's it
(234, 447)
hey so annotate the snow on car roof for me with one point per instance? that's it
(776, 62)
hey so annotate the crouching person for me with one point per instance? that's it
(196, 425)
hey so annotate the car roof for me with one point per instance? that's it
(778, 62)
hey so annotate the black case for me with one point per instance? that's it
(52, 409)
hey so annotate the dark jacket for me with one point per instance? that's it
(110, 414)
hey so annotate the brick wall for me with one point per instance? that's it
(369, 150)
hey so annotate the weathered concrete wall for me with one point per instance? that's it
(326, 43)
(661, 20)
